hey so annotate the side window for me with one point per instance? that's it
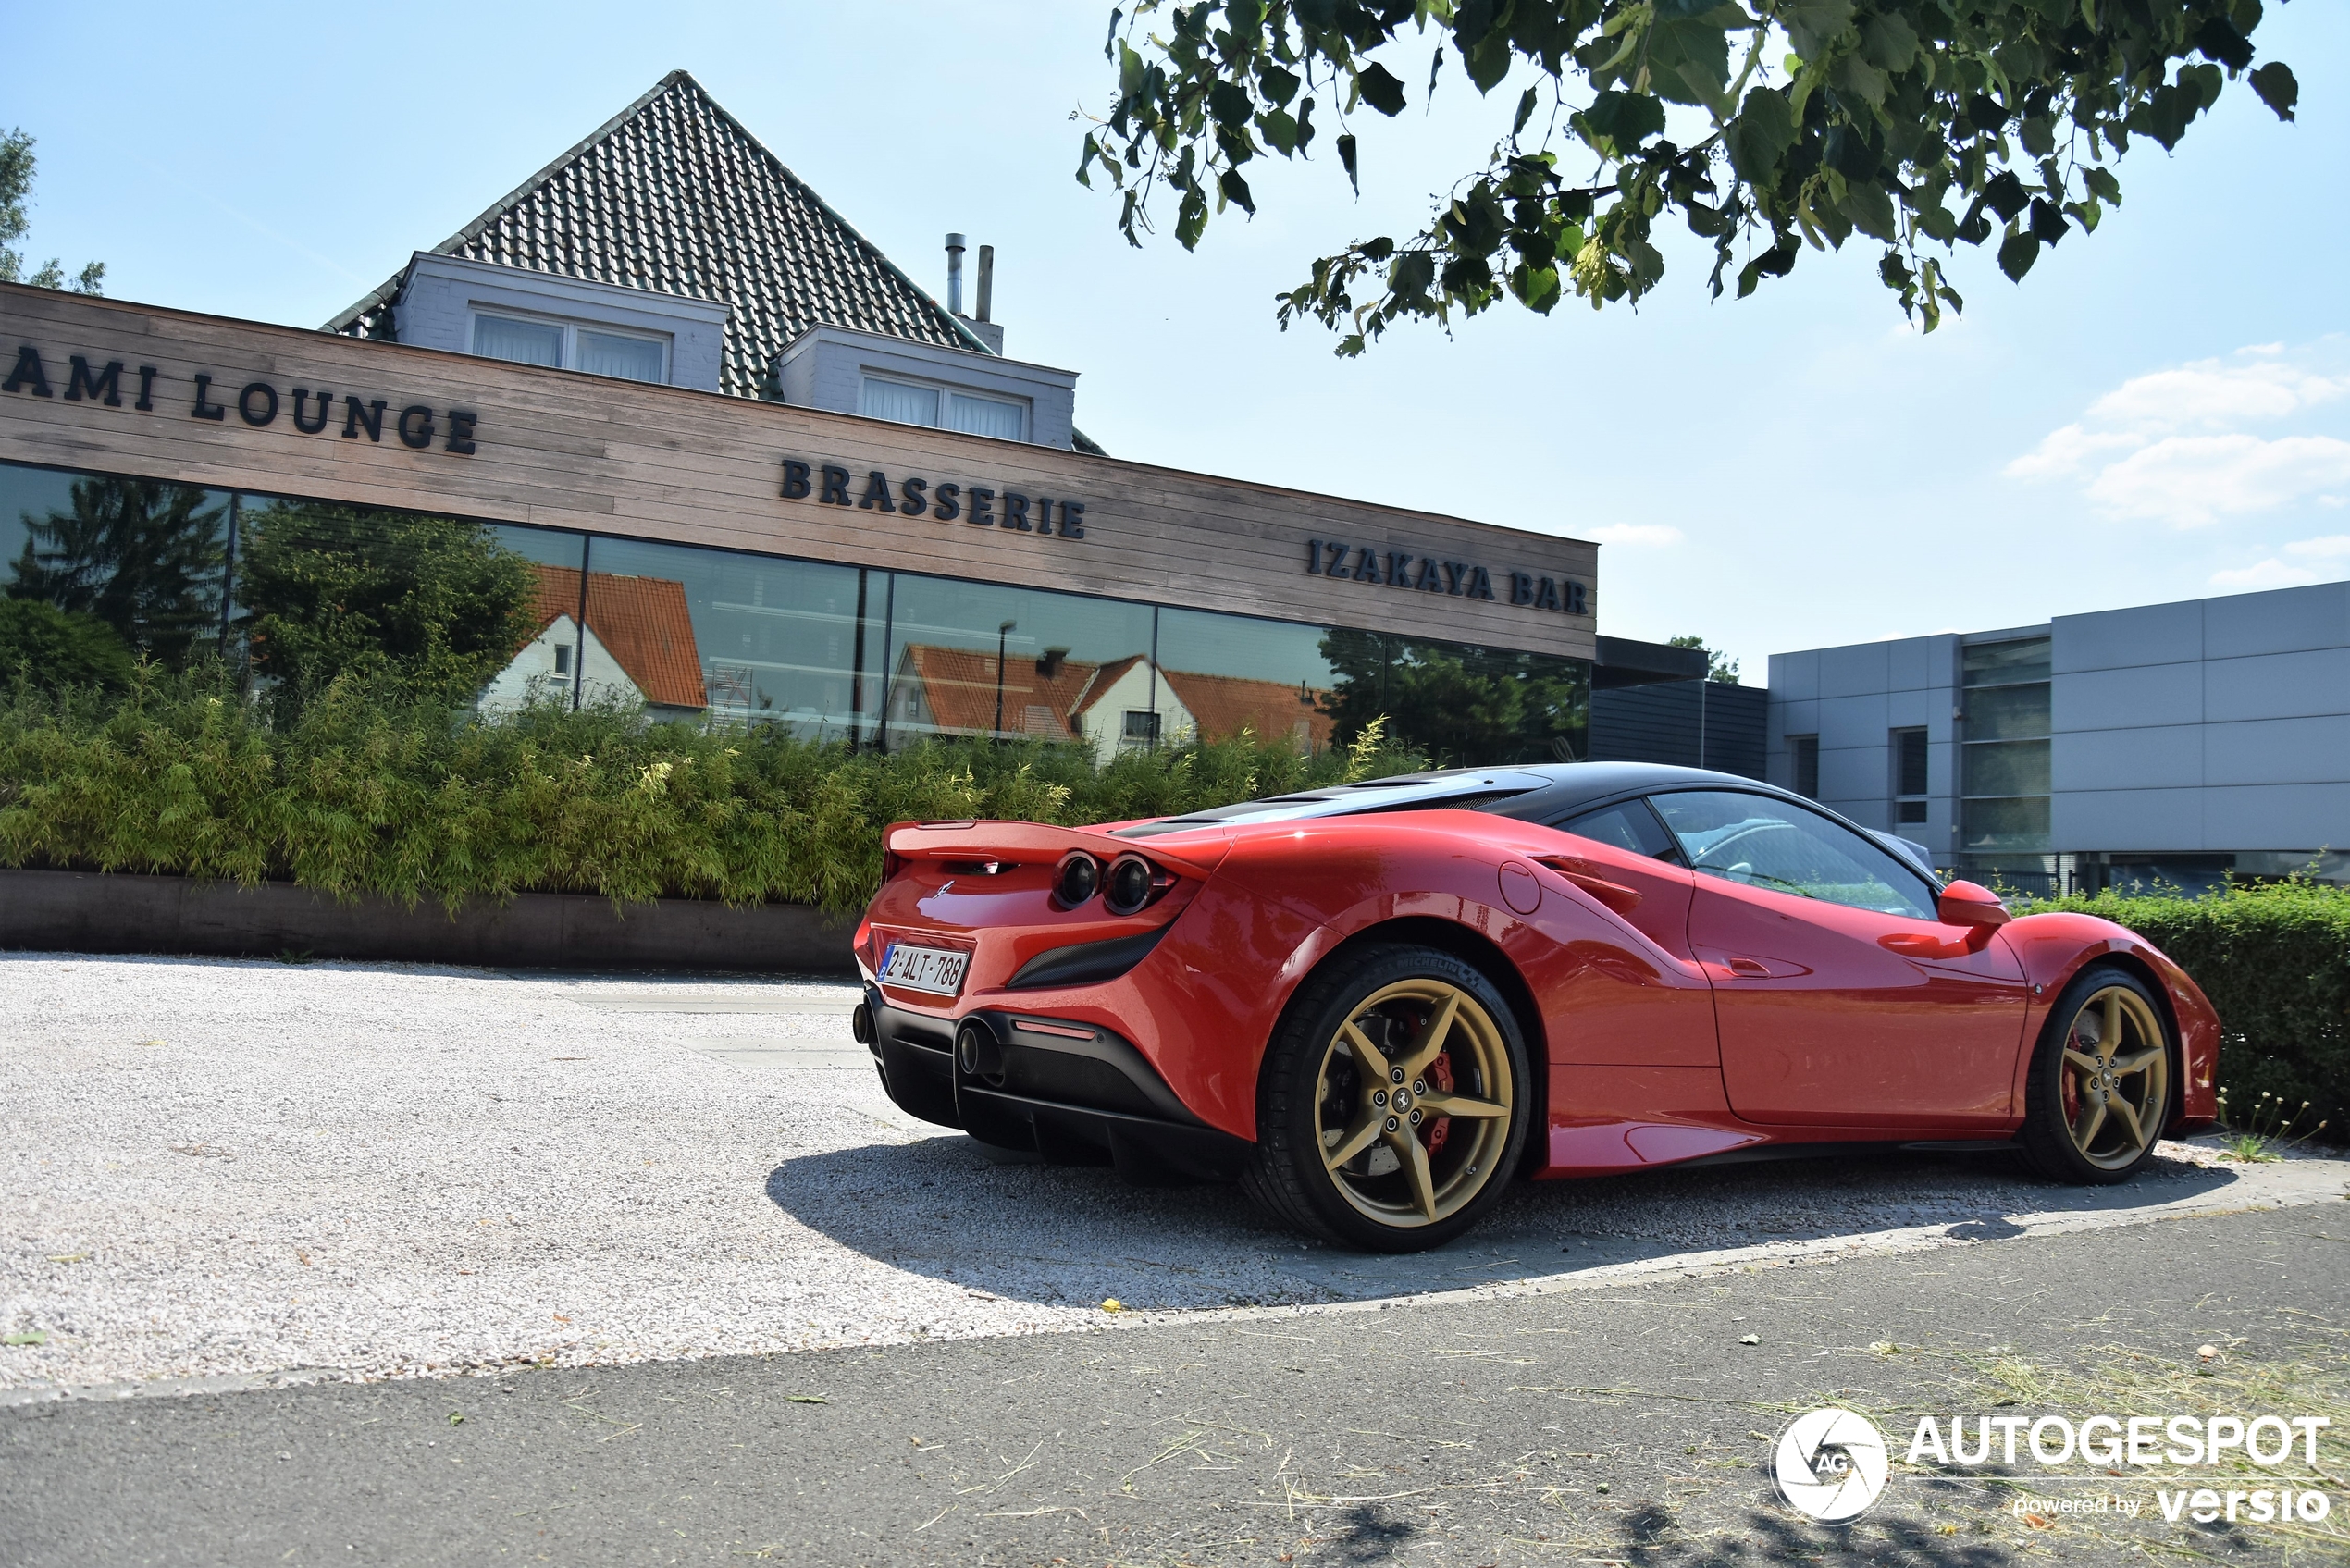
(1629, 824)
(1768, 843)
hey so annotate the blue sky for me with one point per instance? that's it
(2162, 411)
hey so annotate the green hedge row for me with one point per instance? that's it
(367, 793)
(2275, 961)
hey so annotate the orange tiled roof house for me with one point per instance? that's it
(638, 646)
(1107, 707)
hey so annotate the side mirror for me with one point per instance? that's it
(1969, 904)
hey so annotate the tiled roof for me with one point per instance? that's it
(1224, 705)
(673, 195)
(643, 623)
(959, 686)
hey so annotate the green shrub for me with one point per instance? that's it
(2275, 961)
(56, 647)
(365, 790)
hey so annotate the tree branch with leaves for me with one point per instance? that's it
(16, 165)
(1915, 124)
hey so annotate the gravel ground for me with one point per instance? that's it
(250, 1170)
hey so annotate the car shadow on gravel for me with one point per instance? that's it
(1075, 1236)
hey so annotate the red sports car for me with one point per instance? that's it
(1376, 1004)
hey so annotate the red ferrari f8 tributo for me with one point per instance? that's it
(1376, 1004)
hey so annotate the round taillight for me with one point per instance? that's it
(1129, 884)
(1078, 879)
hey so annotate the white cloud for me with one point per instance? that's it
(2191, 480)
(2269, 573)
(2172, 446)
(1650, 533)
(2067, 451)
(2215, 395)
(2331, 553)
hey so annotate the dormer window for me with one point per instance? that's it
(567, 345)
(913, 402)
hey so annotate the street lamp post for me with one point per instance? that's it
(1002, 633)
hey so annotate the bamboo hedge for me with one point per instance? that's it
(367, 791)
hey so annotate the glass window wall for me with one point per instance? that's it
(503, 615)
(1222, 675)
(978, 658)
(147, 558)
(2003, 817)
(751, 638)
(1461, 705)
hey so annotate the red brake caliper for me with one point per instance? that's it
(2069, 1081)
(1440, 1076)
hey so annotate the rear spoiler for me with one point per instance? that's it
(1034, 843)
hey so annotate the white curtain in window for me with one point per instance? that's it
(985, 416)
(524, 343)
(607, 353)
(896, 400)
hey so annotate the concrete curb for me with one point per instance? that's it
(111, 912)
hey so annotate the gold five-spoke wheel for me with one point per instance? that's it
(2116, 1077)
(1412, 1103)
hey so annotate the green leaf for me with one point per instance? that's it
(1870, 206)
(1277, 85)
(1235, 190)
(2004, 195)
(25, 1337)
(2275, 83)
(1346, 158)
(2016, 253)
(1489, 62)
(2101, 181)
(1618, 122)
(1524, 110)
(1191, 219)
(1762, 134)
(1854, 75)
(1228, 105)
(2219, 40)
(1537, 288)
(1811, 25)
(1380, 89)
(1280, 132)
(1888, 42)
(1689, 62)
(2037, 136)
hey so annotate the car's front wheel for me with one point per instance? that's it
(2099, 1090)
(1393, 1102)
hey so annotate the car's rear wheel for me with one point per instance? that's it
(2099, 1090)
(1393, 1106)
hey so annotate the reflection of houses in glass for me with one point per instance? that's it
(1105, 706)
(1222, 706)
(637, 646)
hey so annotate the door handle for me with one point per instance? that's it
(1751, 969)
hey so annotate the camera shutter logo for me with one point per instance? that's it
(1831, 1464)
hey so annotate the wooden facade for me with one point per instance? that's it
(558, 448)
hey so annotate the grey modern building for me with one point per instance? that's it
(2180, 743)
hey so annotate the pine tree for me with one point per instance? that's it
(144, 556)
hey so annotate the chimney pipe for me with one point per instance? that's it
(986, 281)
(955, 274)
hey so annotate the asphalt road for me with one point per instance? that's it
(1610, 1422)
